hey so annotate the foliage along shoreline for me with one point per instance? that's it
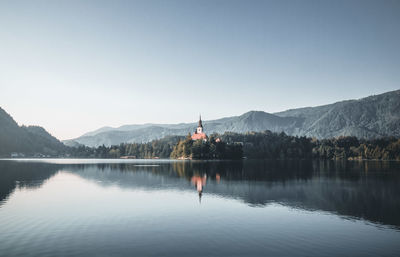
(251, 145)
(234, 146)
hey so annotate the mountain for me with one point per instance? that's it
(29, 140)
(251, 121)
(370, 117)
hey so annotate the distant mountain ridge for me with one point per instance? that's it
(370, 117)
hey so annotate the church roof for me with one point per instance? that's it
(197, 136)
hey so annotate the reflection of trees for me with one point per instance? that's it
(19, 174)
(263, 170)
(367, 190)
(248, 170)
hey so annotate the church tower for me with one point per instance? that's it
(199, 133)
(200, 127)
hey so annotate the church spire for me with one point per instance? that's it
(199, 133)
(200, 122)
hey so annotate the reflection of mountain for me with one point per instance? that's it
(363, 190)
(30, 175)
(367, 190)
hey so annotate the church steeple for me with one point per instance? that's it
(199, 133)
(200, 122)
(199, 129)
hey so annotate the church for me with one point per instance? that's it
(199, 134)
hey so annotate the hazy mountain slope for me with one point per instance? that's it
(373, 116)
(251, 121)
(28, 140)
(116, 137)
(97, 131)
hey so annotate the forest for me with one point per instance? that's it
(213, 148)
(251, 145)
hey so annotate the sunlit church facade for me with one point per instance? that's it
(199, 133)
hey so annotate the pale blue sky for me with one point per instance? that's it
(75, 66)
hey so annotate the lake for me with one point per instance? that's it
(69, 207)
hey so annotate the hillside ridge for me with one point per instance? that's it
(369, 117)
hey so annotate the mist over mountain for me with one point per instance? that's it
(370, 117)
(29, 140)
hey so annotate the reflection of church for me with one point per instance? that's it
(200, 181)
(199, 134)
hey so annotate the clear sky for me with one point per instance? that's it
(74, 66)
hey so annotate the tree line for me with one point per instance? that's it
(160, 148)
(251, 145)
(213, 148)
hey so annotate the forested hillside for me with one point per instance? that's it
(27, 140)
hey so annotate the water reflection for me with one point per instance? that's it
(199, 182)
(23, 175)
(359, 190)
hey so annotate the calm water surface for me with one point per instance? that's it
(174, 208)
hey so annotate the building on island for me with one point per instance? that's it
(199, 134)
